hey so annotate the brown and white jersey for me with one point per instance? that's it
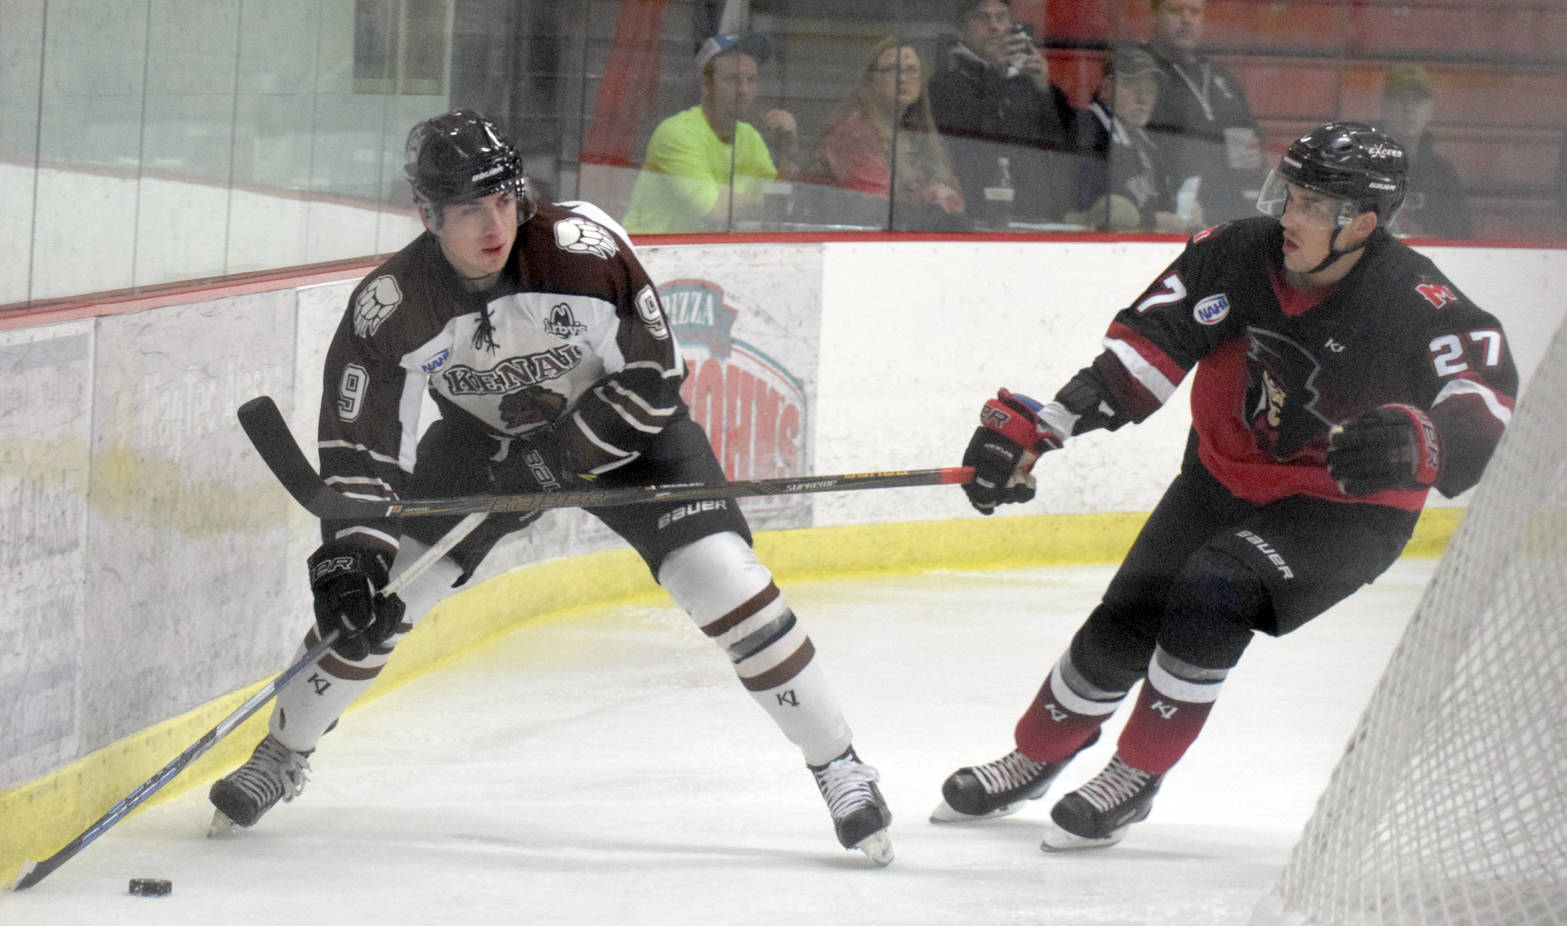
(572, 338)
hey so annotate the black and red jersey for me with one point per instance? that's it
(1276, 367)
(572, 337)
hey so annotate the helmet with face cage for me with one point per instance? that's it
(1355, 163)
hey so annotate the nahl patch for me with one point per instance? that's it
(376, 303)
(580, 236)
(1212, 310)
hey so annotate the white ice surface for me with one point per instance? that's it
(611, 770)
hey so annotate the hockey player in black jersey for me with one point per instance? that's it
(544, 345)
(1338, 376)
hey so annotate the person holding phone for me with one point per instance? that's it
(994, 99)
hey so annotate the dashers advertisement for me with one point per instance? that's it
(749, 325)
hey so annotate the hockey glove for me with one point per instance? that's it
(1010, 437)
(536, 463)
(1391, 447)
(346, 580)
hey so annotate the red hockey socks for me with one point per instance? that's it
(1172, 707)
(1064, 714)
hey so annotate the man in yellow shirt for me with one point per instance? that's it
(685, 184)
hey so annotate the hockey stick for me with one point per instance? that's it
(265, 426)
(33, 872)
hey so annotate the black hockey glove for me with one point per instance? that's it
(1010, 437)
(1391, 447)
(538, 463)
(346, 580)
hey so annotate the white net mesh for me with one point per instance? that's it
(1450, 803)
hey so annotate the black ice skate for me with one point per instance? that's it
(859, 815)
(274, 772)
(1097, 814)
(997, 788)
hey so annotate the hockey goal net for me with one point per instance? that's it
(1450, 802)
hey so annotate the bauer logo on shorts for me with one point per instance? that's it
(689, 509)
(1267, 550)
(1212, 310)
(375, 304)
(580, 236)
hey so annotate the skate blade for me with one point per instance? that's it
(944, 813)
(221, 825)
(877, 847)
(1060, 840)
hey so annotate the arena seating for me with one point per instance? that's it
(1499, 68)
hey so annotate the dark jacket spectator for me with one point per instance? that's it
(1120, 158)
(1203, 118)
(1434, 205)
(994, 98)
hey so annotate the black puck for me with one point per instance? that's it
(151, 887)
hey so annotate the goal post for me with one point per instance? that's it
(1449, 805)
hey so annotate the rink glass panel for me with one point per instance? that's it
(148, 142)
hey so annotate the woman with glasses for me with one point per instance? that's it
(881, 143)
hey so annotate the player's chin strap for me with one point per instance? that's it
(1334, 253)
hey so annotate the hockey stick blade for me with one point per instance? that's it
(269, 433)
(32, 872)
(267, 430)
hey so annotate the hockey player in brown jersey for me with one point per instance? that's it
(544, 345)
(1338, 376)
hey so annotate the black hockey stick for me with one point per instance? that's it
(33, 872)
(269, 432)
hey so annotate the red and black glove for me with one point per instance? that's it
(1010, 437)
(1391, 447)
(346, 580)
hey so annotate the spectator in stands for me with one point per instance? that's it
(993, 98)
(1204, 119)
(1122, 160)
(1435, 205)
(881, 138)
(706, 166)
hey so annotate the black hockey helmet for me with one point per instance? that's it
(460, 156)
(1350, 161)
